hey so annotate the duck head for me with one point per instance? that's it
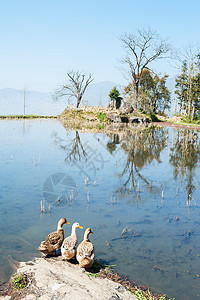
(61, 222)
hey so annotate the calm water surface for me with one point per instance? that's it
(146, 185)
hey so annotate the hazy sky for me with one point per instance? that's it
(42, 39)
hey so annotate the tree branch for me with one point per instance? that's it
(76, 86)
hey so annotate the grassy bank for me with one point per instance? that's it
(98, 119)
(26, 117)
(177, 120)
(94, 118)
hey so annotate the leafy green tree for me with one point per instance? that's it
(196, 90)
(156, 93)
(153, 95)
(114, 94)
(188, 88)
(182, 87)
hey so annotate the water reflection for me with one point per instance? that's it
(184, 157)
(140, 148)
(83, 155)
(72, 146)
(112, 145)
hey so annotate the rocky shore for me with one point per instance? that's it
(54, 279)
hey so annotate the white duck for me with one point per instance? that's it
(85, 251)
(69, 245)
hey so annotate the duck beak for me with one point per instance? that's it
(67, 222)
(91, 231)
(80, 227)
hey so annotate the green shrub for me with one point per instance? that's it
(101, 116)
(153, 117)
(188, 120)
(19, 281)
(114, 94)
(100, 126)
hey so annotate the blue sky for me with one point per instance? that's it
(42, 39)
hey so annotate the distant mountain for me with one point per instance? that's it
(39, 103)
(12, 102)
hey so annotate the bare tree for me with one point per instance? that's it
(76, 86)
(24, 92)
(142, 49)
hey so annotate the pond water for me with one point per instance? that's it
(139, 193)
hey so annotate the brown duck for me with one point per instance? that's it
(53, 240)
(85, 251)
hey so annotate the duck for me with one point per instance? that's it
(85, 251)
(53, 240)
(69, 245)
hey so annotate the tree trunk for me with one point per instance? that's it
(190, 91)
(193, 111)
(78, 101)
(189, 100)
(136, 95)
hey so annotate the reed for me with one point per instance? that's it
(88, 196)
(86, 181)
(125, 230)
(95, 183)
(42, 209)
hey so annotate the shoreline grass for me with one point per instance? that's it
(187, 124)
(102, 270)
(27, 117)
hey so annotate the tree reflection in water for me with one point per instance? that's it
(141, 148)
(73, 147)
(111, 146)
(184, 157)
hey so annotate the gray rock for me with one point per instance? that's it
(134, 120)
(122, 105)
(124, 119)
(126, 107)
(114, 117)
(55, 279)
(140, 120)
(112, 105)
(146, 120)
